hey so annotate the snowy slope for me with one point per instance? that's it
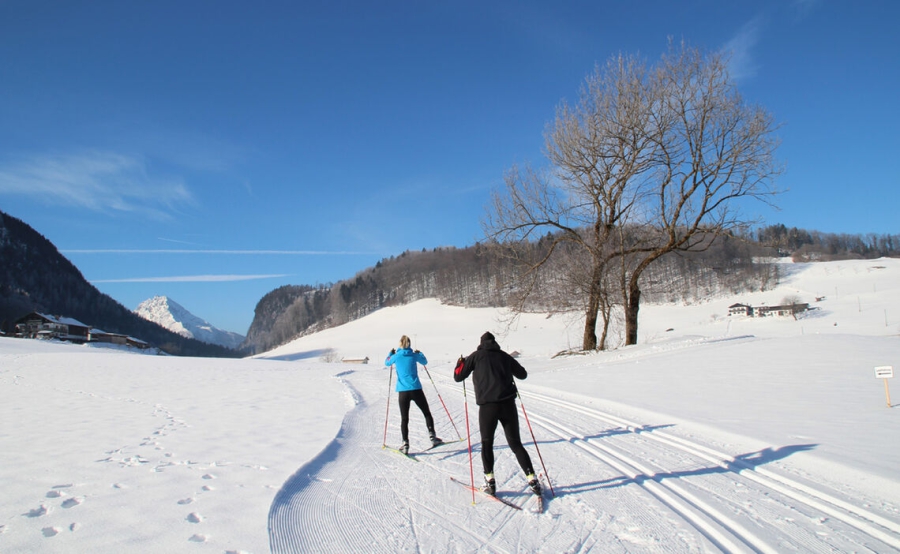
(174, 317)
(719, 435)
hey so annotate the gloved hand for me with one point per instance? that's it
(393, 352)
(417, 351)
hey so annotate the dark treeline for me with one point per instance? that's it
(562, 278)
(806, 245)
(479, 276)
(34, 276)
(459, 276)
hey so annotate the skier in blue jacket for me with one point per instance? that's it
(410, 389)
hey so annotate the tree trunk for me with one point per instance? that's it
(631, 313)
(605, 332)
(595, 297)
(589, 342)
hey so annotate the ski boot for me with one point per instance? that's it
(534, 484)
(404, 448)
(435, 441)
(490, 486)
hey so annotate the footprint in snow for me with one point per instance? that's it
(71, 502)
(50, 531)
(209, 476)
(41, 510)
(194, 517)
(74, 527)
(184, 501)
(198, 538)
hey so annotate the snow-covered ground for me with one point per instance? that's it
(715, 433)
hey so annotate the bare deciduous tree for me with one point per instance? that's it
(650, 161)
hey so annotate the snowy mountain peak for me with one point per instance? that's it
(174, 317)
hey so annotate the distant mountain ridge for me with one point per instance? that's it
(176, 318)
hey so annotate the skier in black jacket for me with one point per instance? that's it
(495, 393)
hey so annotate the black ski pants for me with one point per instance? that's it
(417, 396)
(505, 413)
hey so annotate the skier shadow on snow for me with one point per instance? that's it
(476, 443)
(742, 462)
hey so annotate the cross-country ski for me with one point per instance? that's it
(397, 451)
(484, 495)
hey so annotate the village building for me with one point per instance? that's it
(98, 335)
(767, 311)
(43, 326)
(740, 309)
(136, 343)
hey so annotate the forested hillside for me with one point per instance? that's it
(480, 276)
(34, 276)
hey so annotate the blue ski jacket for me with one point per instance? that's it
(407, 371)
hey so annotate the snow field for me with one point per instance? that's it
(721, 434)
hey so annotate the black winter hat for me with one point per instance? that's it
(487, 337)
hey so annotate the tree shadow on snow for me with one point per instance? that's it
(617, 431)
(740, 463)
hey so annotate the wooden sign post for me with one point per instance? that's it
(885, 372)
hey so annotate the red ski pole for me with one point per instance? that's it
(535, 443)
(442, 402)
(469, 440)
(388, 409)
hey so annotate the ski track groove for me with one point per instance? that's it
(814, 499)
(385, 499)
(694, 510)
(354, 496)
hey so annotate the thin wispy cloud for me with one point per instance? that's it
(225, 252)
(95, 180)
(176, 241)
(193, 279)
(742, 64)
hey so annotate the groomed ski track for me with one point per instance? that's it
(621, 486)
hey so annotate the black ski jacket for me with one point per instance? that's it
(493, 371)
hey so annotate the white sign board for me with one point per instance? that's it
(884, 372)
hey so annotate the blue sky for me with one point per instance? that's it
(212, 151)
